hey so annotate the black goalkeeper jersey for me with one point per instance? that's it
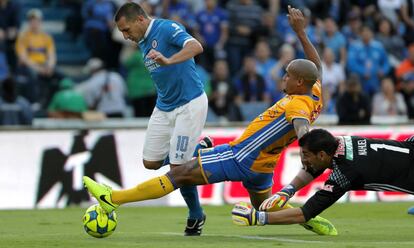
(365, 164)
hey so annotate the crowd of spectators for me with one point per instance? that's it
(367, 48)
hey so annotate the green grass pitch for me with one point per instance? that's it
(359, 225)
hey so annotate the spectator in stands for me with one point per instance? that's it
(37, 60)
(407, 89)
(14, 109)
(67, 103)
(367, 9)
(244, 19)
(264, 65)
(329, 103)
(353, 106)
(212, 32)
(9, 26)
(98, 24)
(335, 40)
(352, 27)
(406, 67)
(287, 54)
(179, 11)
(196, 5)
(387, 102)
(4, 66)
(367, 58)
(74, 21)
(104, 91)
(268, 32)
(392, 42)
(407, 17)
(251, 86)
(141, 91)
(405, 80)
(389, 10)
(333, 74)
(222, 98)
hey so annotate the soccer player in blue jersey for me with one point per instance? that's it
(181, 109)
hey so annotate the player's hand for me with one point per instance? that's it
(243, 214)
(158, 57)
(275, 203)
(296, 19)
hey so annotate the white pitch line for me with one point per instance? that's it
(360, 243)
(249, 237)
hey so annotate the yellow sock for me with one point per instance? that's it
(154, 188)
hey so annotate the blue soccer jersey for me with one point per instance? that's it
(176, 84)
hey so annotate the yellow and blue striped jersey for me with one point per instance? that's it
(261, 144)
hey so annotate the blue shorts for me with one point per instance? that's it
(218, 165)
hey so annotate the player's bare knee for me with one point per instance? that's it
(152, 165)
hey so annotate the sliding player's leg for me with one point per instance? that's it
(187, 174)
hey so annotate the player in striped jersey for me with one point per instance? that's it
(251, 158)
(357, 163)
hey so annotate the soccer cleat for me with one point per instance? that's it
(194, 226)
(206, 142)
(101, 192)
(320, 226)
(410, 210)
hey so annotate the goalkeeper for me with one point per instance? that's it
(252, 157)
(357, 163)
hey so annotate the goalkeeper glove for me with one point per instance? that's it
(244, 214)
(277, 201)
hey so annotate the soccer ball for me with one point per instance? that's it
(244, 214)
(98, 223)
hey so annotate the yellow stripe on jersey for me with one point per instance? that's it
(265, 138)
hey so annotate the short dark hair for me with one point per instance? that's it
(130, 11)
(319, 140)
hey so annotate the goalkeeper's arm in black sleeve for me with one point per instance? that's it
(320, 201)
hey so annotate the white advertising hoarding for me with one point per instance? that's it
(44, 169)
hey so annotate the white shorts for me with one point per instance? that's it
(175, 133)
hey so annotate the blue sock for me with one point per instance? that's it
(166, 161)
(190, 195)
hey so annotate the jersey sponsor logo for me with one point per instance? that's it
(151, 65)
(362, 147)
(154, 43)
(349, 148)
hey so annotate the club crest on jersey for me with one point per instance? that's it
(341, 146)
(154, 43)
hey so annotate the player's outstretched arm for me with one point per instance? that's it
(286, 216)
(245, 215)
(303, 178)
(298, 24)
